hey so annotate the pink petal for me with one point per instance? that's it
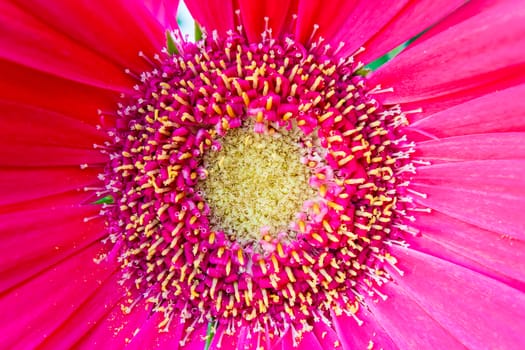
(389, 29)
(86, 316)
(354, 336)
(24, 37)
(508, 145)
(330, 16)
(31, 311)
(361, 21)
(277, 12)
(325, 338)
(25, 123)
(76, 100)
(409, 325)
(489, 194)
(311, 341)
(286, 342)
(227, 342)
(480, 312)
(215, 15)
(117, 328)
(454, 57)
(116, 30)
(20, 156)
(33, 136)
(197, 339)
(480, 250)
(21, 184)
(36, 234)
(149, 336)
(165, 11)
(500, 111)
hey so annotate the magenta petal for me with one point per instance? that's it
(40, 233)
(480, 250)
(498, 111)
(23, 37)
(197, 339)
(76, 101)
(165, 11)
(21, 184)
(325, 337)
(489, 194)
(86, 316)
(207, 16)
(363, 20)
(459, 56)
(227, 342)
(116, 30)
(329, 16)
(33, 137)
(116, 328)
(479, 311)
(359, 336)
(312, 341)
(31, 311)
(507, 145)
(254, 12)
(149, 336)
(411, 20)
(408, 324)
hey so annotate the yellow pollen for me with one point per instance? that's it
(255, 181)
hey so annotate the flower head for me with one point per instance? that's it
(259, 188)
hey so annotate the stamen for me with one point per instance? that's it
(256, 184)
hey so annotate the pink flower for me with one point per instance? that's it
(410, 232)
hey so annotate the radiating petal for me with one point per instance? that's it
(32, 136)
(86, 316)
(450, 59)
(278, 13)
(499, 111)
(116, 328)
(207, 15)
(330, 16)
(165, 11)
(22, 184)
(31, 311)
(224, 341)
(489, 194)
(24, 37)
(150, 336)
(480, 312)
(386, 31)
(48, 92)
(117, 30)
(507, 145)
(360, 336)
(325, 337)
(37, 234)
(380, 26)
(409, 325)
(197, 339)
(483, 251)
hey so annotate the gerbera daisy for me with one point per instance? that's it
(261, 188)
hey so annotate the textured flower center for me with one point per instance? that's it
(255, 184)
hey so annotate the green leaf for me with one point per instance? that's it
(210, 332)
(362, 71)
(170, 44)
(198, 32)
(105, 200)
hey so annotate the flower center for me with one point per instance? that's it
(256, 184)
